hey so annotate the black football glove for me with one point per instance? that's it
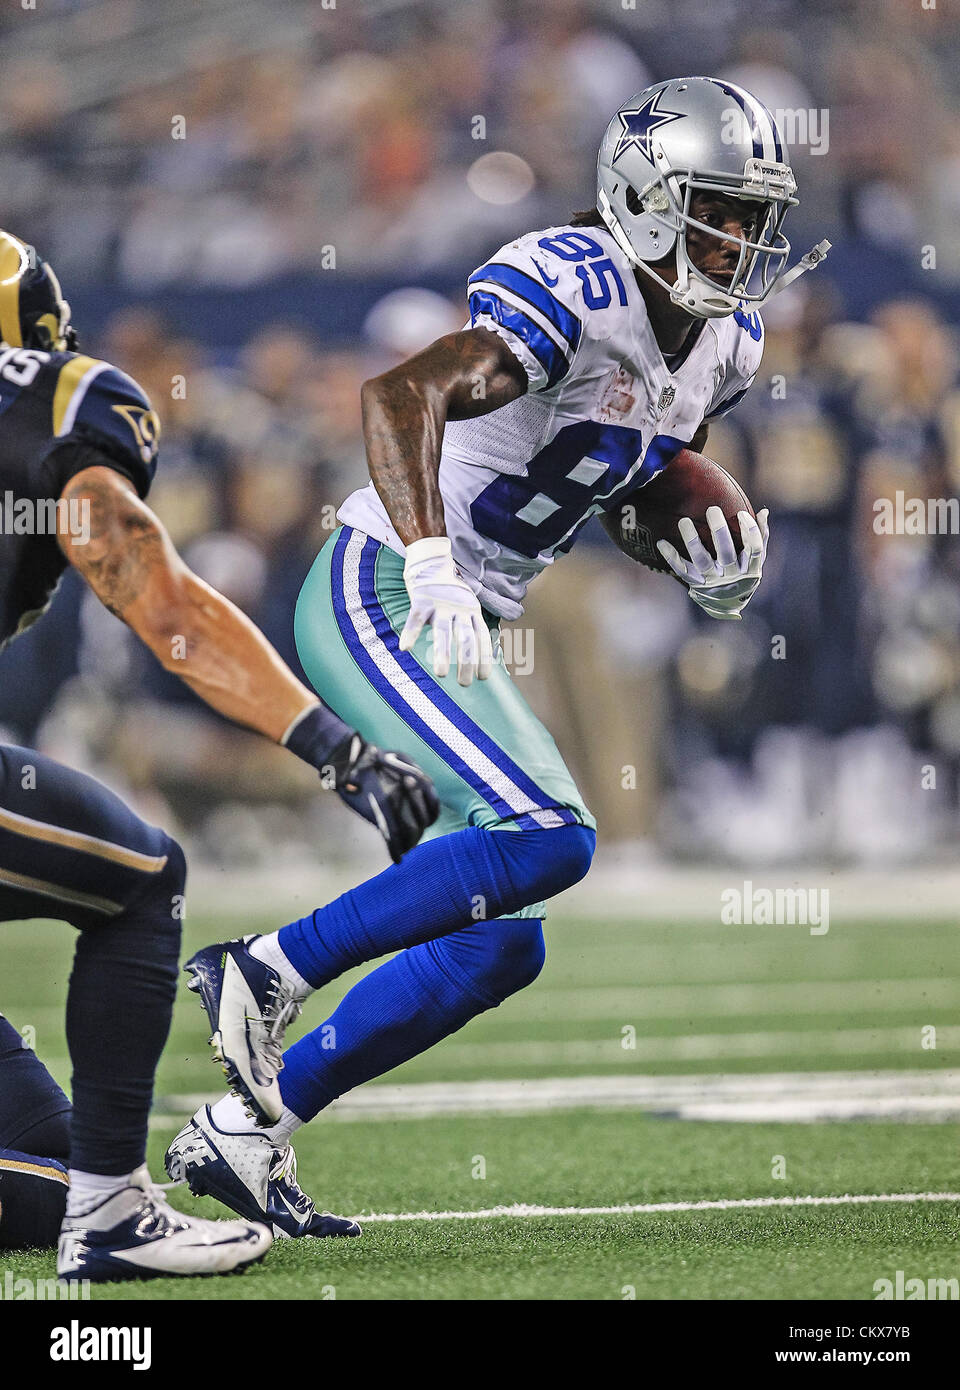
(387, 789)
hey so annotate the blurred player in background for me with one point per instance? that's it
(596, 351)
(79, 433)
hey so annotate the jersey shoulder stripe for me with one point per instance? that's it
(518, 286)
(97, 402)
(73, 380)
(539, 314)
(552, 358)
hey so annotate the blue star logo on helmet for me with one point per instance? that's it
(639, 126)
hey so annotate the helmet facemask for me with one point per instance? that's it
(667, 202)
(53, 330)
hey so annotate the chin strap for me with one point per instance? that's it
(814, 256)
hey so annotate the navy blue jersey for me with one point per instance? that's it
(60, 412)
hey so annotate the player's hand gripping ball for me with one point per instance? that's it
(684, 522)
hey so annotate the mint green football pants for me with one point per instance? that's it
(493, 763)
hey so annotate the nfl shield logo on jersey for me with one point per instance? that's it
(667, 396)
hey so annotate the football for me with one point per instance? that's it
(687, 487)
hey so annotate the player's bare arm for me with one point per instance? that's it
(458, 377)
(133, 567)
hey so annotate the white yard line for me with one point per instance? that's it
(772, 1096)
(520, 1209)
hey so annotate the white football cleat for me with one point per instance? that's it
(135, 1234)
(250, 1174)
(249, 1008)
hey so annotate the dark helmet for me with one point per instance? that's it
(33, 311)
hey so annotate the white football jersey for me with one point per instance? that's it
(603, 414)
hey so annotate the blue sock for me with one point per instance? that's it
(437, 888)
(407, 1005)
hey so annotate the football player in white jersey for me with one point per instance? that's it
(595, 352)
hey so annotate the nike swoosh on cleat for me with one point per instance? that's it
(300, 1220)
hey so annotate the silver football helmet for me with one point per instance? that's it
(690, 134)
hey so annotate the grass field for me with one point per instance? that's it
(761, 1003)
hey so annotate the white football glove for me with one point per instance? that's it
(722, 585)
(439, 596)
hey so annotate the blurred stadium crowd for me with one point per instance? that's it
(355, 124)
(809, 729)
